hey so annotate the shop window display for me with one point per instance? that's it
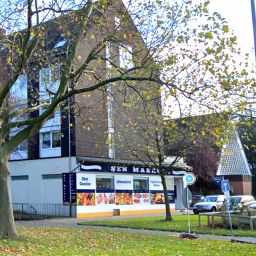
(105, 190)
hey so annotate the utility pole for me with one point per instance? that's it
(254, 24)
(69, 152)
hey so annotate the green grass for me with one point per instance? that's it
(63, 241)
(178, 224)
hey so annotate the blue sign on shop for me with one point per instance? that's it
(89, 167)
(69, 188)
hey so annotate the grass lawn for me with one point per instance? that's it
(179, 224)
(63, 241)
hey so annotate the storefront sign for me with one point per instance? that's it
(65, 188)
(123, 182)
(89, 167)
(69, 188)
(85, 181)
(155, 183)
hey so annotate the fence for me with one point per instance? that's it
(25, 211)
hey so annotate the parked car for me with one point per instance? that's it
(252, 209)
(210, 203)
(240, 202)
(196, 198)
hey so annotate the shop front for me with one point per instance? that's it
(104, 190)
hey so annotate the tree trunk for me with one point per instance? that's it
(168, 215)
(7, 225)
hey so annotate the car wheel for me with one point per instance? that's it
(213, 209)
(195, 211)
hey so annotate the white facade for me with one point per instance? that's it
(39, 181)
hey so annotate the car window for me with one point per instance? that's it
(210, 199)
(237, 199)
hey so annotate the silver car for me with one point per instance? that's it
(241, 202)
(211, 203)
(252, 209)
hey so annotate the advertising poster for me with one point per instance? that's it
(124, 198)
(169, 183)
(85, 199)
(157, 198)
(85, 181)
(124, 182)
(155, 183)
(141, 198)
(105, 198)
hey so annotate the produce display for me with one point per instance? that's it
(105, 198)
(157, 198)
(85, 199)
(141, 198)
(124, 198)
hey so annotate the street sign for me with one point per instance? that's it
(225, 186)
(189, 179)
(227, 195)
(217, 179)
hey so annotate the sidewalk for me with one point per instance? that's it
(74, 223)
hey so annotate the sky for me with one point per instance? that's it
(238, 15)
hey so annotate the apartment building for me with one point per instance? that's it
(84, 136)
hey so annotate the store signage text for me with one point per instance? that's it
(88, 167)
(124, 182)
(85, 181)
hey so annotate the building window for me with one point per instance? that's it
(126, 57)
(19, 93)
(141, 184)
(104, 182)
(23, 146)
(51, 139)
(49, 82)
(46, 140)
(56, 139)
(19, 177)
(51, 176)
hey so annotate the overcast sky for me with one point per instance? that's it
(238, 14)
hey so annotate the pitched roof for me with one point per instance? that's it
(233, 160)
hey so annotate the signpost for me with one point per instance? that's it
(189, 179)
(225, 186)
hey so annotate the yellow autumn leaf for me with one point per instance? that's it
(9, 59)
(218, 144)
(217, 130)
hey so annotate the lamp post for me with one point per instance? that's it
(69, 152)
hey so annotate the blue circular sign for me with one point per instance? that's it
(190, 179)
